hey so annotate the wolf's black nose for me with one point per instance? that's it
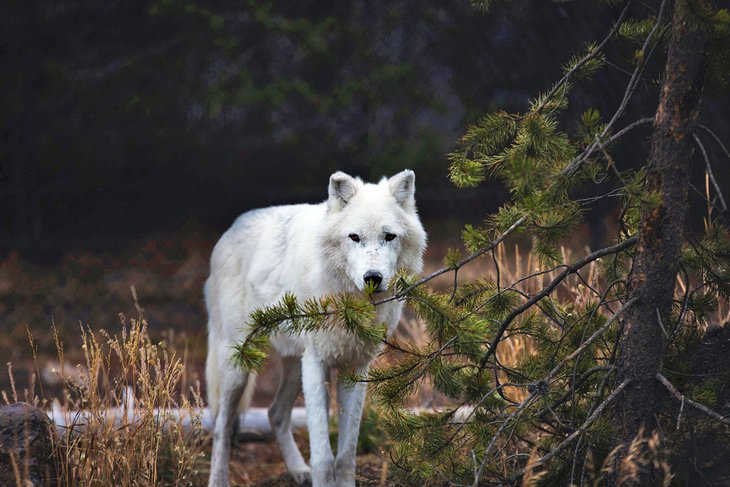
(373, 278)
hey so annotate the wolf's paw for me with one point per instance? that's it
(302, 475)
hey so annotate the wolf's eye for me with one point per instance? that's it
(389, 237)
(354, 237)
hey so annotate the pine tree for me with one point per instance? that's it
(656, 262)
(547, 419)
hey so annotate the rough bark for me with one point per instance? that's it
(655, 267)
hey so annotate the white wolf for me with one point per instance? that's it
(362, 235)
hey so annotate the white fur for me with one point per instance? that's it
(307, 250)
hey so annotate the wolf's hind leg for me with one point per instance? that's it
(232, 383)
(280, 418)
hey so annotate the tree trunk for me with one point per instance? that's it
(654, 272)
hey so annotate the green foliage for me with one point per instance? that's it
(474, 238)
(583, 70)
(590, 126)
(289, 315)
(250, 356)
(484, 139)
(357, 316)
(637, 30)
(485, 5)
(452, 258)
(502, 406)
(393, 385)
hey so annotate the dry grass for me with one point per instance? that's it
(645, 453)
(122, 430)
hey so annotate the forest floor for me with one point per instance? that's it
(259, 464)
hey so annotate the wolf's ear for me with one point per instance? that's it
(341, 189)
(403, 187)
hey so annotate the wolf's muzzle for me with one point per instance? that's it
(373, 279)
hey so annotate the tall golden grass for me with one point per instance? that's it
(119, 403)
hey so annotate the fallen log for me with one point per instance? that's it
(254, 422)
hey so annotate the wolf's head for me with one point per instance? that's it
(372, 230)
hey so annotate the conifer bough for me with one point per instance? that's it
(544, 413)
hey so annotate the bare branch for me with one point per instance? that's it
(628, 128)
(709, 171)
(717, 139)
(639, 67)
(630, 88)
(684, 399)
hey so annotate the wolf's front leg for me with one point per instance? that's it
(314, 384)
(351, 400)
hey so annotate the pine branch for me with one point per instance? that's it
(588, 57)
(549, 288)
(526, 402)
(584, 343)
(598, 411)
(401, 294)
(512, 287)
(580, 380)
(590, 340)
(541, 388)
(628, 93)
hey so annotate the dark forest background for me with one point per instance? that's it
(119, 119)
(133, 132)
